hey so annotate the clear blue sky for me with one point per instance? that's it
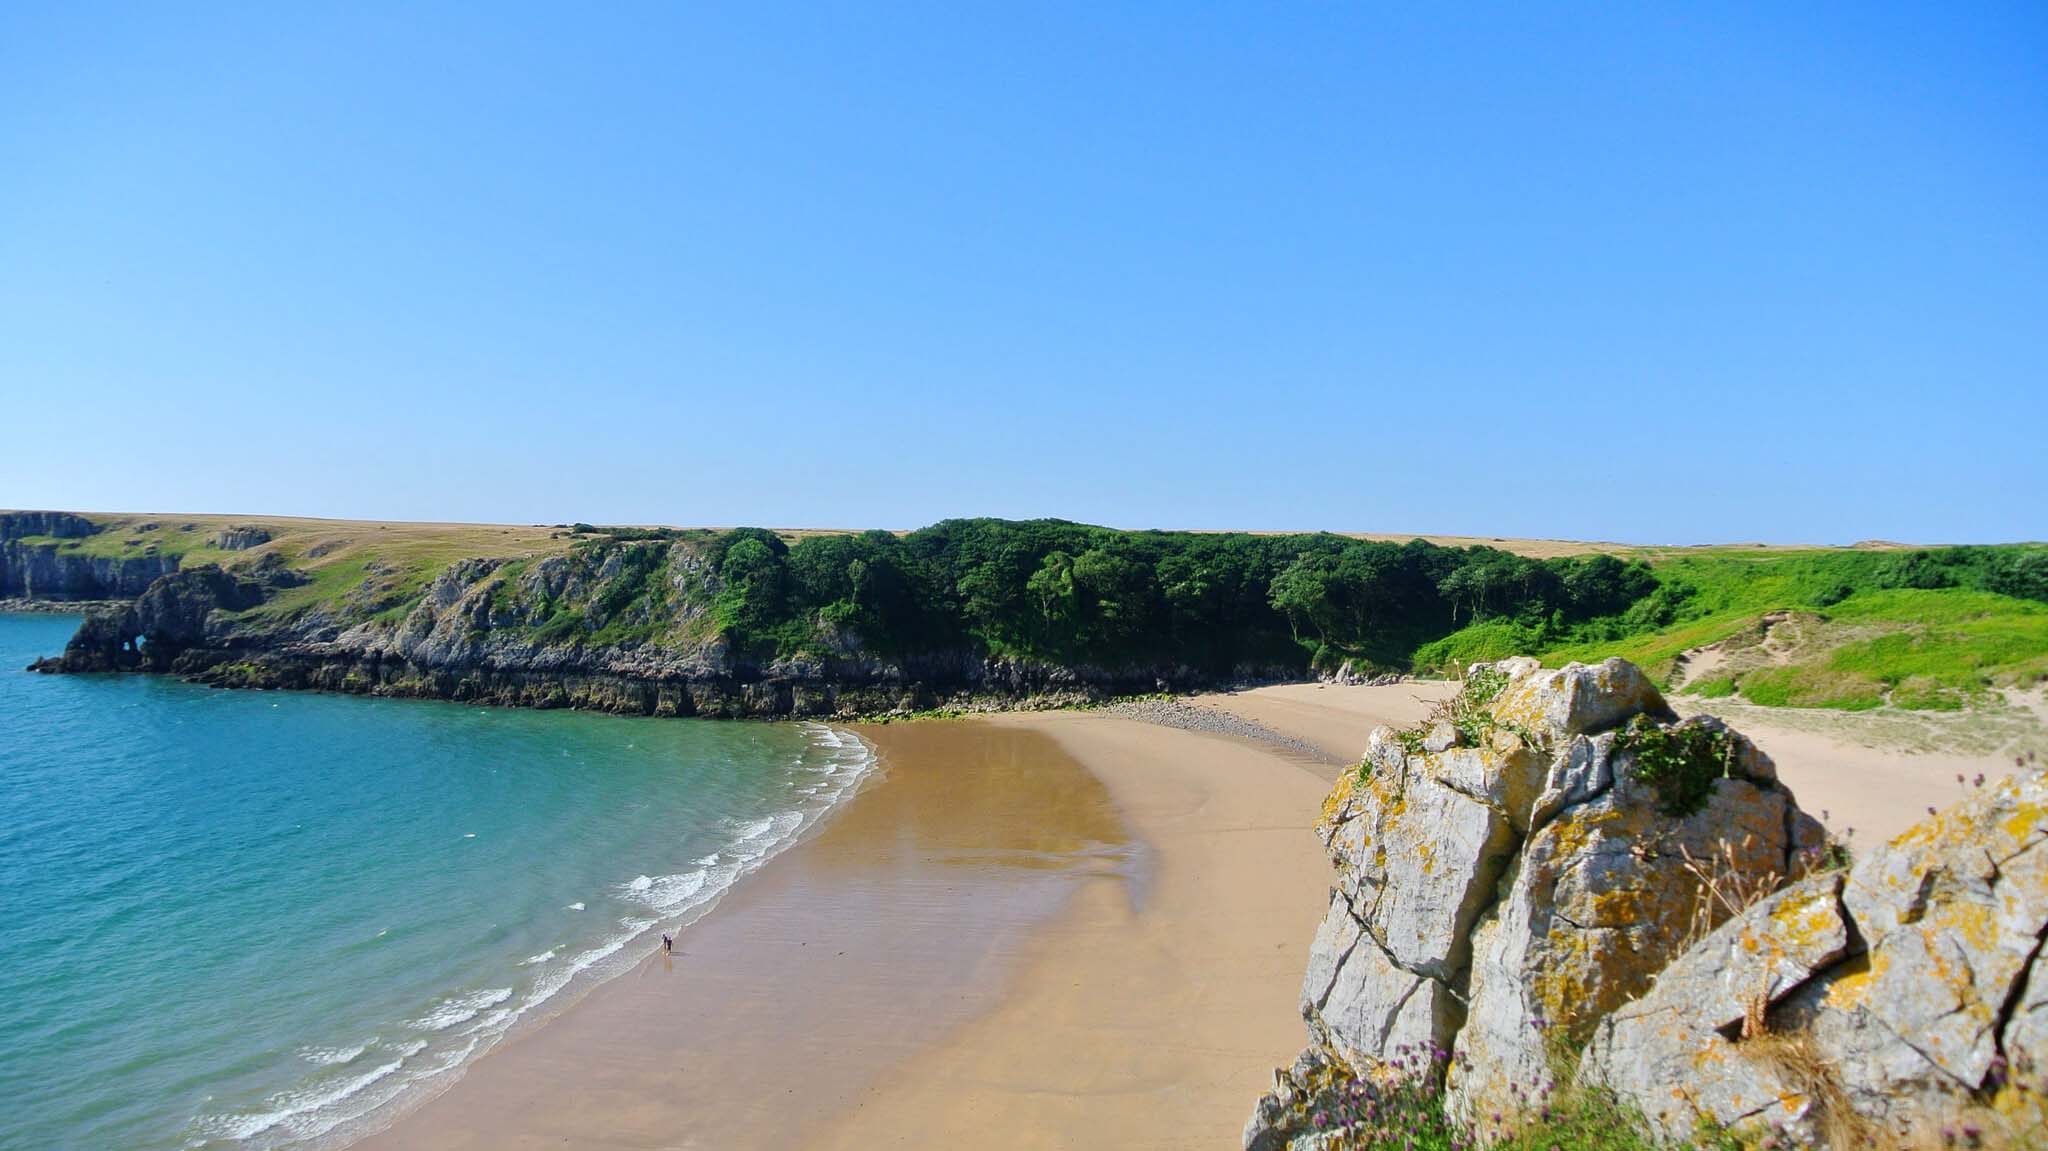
(1767, 272)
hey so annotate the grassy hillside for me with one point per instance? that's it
(1922, 629)
(1854, 628)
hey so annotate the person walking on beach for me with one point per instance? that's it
(668, 942)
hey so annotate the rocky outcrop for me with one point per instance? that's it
(240, 537)
(57, 525)
(173, 616)
(1898, 1000)
(32, 567)
(1557, 882)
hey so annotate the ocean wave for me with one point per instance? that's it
(668, 893)
(765, 835)
(335, 1056)
(554, 979)
(543, 957)
(289, 1105)
(750, 829)
(461, 1008)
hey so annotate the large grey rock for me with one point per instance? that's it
(1600, 899)
(1417, 856)
(241, 537)
(2026, 1046)
(1577, 699)
(1908, 1004)
(1953, 913)
(1525, 877)
(1524, 804)
(1358, 1000)
(1670, 1054)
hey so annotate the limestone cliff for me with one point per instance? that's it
(33, 565)
(1559, 882)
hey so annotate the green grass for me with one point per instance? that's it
(1866, 646)
(1922, 649)
(1479, 643)
(1718, 687)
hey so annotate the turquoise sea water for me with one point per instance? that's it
(242, 919)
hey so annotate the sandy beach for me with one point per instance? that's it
(1032, 930)
(1035, 930)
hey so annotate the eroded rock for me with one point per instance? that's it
(1508, 857)
(1673, 1054)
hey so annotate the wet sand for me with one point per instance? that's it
(1147, 1025)
(901, 920)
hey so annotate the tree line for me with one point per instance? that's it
(1074, 594)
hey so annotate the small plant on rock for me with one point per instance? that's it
(1470, 714)
(1681, 762)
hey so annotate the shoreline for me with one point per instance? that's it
(1028, 929)
(891, 924)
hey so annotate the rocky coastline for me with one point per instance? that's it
(449, 646)
(35, 570)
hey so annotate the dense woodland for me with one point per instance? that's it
(1074, 594)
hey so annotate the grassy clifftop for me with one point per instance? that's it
(1849, 628)
(1914, 628)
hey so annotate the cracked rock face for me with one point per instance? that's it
(1504, 879)
(1525, 876)
(1601, 896)
(1670, 1052)
(1908, 995)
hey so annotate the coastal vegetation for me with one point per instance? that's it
(1859, 628)
(1918, 628)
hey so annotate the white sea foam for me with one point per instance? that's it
(577, 906)
(461, 1008)
(753, 828)
(767, 835)
(448, 1061)
(490, 1021)
(670, 892)
(335, 1056)
(290, 1104)
(543, 957)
